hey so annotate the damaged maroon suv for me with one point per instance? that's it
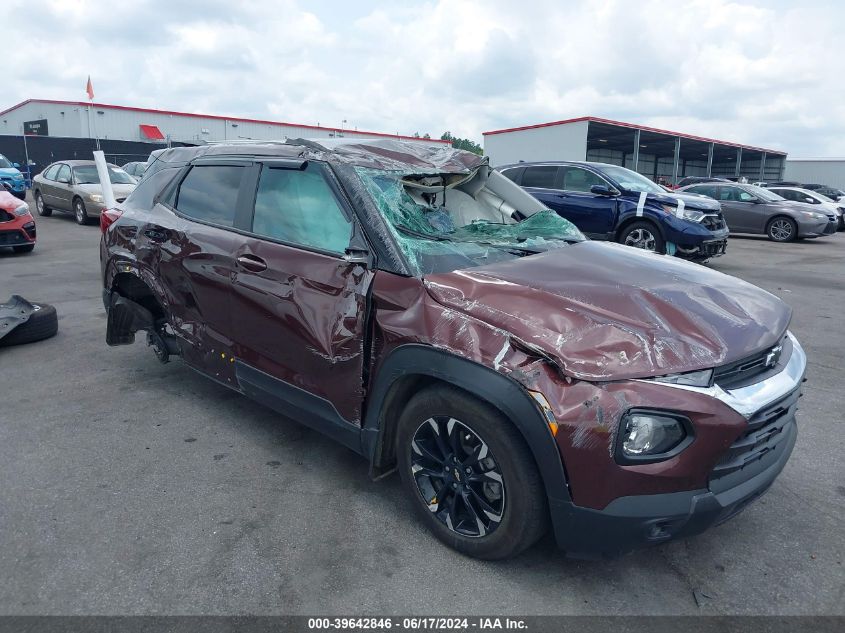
(423, 310)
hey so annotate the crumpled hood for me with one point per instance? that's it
(693, 201)
(607, 312)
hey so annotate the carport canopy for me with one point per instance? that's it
(667, 157)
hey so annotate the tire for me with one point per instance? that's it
(506, 480)
(41, 324)
(782, 229)
(80, 213)
(43, 209)
(26, 248)
(644, 235)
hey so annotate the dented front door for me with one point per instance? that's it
(301, 320)
(299, 306)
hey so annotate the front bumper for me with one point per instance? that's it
(740, 472)
(816, 229)
(631, 523)
(22, 233)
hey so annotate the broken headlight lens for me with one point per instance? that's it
(648, 434)
(685, 214)
(690, 379)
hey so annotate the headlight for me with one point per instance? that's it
(17, 176)
(650, 436)
(687, 214)
(22, 210)
(692, 379)
(95, 197)
(813, 215)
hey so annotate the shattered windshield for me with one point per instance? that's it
(446, 222)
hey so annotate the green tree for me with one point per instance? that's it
(463, 143)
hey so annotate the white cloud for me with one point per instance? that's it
(766, 74)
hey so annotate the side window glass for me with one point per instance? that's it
(51, 172)
(512, 174)
(542, 176)
(577, 179)
(744, 196)
(728, 193)
(209, 193)
(64, 174)
(299, 207)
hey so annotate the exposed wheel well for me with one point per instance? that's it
(132, 287)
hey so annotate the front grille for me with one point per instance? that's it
(749, 369)
(766, 430)
(714, 222)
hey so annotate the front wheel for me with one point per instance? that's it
(643, 235)
(469, 474)
(79, 211)
(43, 209)
(782, 230)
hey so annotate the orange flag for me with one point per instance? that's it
(90, 89)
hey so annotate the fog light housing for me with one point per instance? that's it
(647, 436)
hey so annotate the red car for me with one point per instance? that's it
(431, 315)
(17, 226)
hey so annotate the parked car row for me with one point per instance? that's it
(11, 178)
(610, 202)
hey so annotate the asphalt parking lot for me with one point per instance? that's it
(128, 486)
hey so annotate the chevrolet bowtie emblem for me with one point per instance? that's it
(773, 356)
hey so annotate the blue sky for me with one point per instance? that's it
(765, 73)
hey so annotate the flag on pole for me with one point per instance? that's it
(89, 88)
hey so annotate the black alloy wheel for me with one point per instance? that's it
(457, 476)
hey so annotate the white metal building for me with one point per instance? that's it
(823, 171)
(658, 154)
(80, 119)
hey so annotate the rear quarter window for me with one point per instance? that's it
(542, 176)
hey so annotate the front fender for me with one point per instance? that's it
(501, 391)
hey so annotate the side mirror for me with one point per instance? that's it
(603, 190)
(810, 200)
(16, 165)
(356, 256)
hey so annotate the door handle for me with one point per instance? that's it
(252, 263)
(155, 235)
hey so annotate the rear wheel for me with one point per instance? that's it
(782, 229)
(644, 235)
(79, 211)
(43, 209)
(470, 475)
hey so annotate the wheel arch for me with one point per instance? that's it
(629, 220)
(412, 367)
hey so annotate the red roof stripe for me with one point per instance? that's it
(85, 104)
(644, 128)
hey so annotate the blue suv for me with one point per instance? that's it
(11, 178)
(609, 202)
